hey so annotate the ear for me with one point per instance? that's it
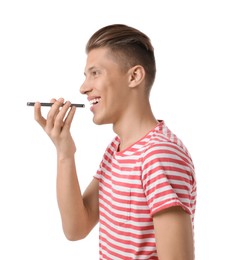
(136, 76)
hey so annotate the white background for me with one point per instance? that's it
(42, 56)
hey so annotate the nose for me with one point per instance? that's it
(85, 88)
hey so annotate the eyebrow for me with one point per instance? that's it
(90, 69)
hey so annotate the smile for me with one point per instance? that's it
(95, 101)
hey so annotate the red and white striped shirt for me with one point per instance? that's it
(153, 174)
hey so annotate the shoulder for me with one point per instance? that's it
(167, 155)
(164, 143)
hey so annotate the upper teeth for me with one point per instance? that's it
(94, 101)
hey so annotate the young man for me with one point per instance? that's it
(144, 192)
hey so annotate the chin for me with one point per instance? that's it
(100, 121)
(97, 122)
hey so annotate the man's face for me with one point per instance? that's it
(106, 86)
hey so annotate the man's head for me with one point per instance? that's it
(129, 47)
(119, 72)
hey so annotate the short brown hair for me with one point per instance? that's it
(129, 45)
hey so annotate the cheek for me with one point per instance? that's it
(121, 92)
(113, 91)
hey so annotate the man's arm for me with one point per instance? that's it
(174, 234)
(79, 213)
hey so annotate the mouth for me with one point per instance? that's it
(94, 101)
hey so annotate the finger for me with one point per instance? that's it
(38, 116)
(69, 118)
(53, 112)
(53, 100)
(60, 119)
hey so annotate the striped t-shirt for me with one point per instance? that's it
(154, 173)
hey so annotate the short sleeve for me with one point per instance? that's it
(167, 178)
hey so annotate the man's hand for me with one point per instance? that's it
(57, 126)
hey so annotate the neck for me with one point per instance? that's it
(136, 122)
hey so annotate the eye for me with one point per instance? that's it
(94, 73)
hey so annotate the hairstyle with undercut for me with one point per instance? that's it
(129, 45)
